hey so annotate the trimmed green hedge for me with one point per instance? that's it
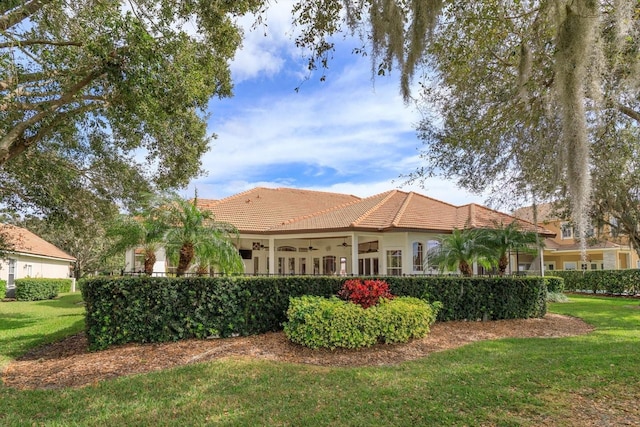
(3, 289)
(31, 289)
(555, 285)
(477, 298)
(606, 281)
(154, 309)
(331, 322)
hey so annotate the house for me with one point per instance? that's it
(32, 256)
(292, 231)
(605, 249)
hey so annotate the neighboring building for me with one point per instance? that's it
(32, 257)
(606, 250)
(292, 231)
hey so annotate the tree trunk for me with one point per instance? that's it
(186, 255)
(502, 265)
(149, 262)
(465, 269)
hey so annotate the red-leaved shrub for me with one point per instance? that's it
(365, 293)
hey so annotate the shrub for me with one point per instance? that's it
(404, 318)
(365, 293)
(330, 322)
(38, 289)
(3, 289)
(556, 297)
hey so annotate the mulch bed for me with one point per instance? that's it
(68, 363)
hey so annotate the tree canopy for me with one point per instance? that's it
(517, 90)
(101, 100)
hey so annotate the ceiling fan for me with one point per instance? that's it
(258, 246)
(344, 244)
(311, 248)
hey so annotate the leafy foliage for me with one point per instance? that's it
(40, 289)
(458, 250)
(3, 288)
(152, 309)
(607, 281)
(498, 241)
(365, 293)
(86, 87)
(193, 234)
(317, 322)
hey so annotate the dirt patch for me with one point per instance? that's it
(68, 363)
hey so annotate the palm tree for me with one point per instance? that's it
(194, 235)
(137, 231)
(502, 239)
(458, 251)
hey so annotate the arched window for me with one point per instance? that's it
(418, 256)
(433, 246)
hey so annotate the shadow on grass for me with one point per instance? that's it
(65, 301)
(9, 321)
(14, 347)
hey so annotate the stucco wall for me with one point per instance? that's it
(32, 266)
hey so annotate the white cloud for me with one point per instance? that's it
(343, 125)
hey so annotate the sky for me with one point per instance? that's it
(349, 134)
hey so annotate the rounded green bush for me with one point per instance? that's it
(317, 322)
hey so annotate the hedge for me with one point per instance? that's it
(3, 289)
(31, 289)
(554, 284)
(156, 309)
(615, 282)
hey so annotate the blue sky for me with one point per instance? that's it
(348, 134)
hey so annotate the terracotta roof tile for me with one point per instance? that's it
(262, 209)
(282, 210)
(27, 242)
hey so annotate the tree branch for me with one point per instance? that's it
(629, 112)
(38, 42)
(22, 143)
(15, 135)
(18, 15)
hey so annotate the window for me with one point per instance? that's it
(329, 264)
(417, 256)
(286, 249)
(303, 265)
(316, 266)
(614, 227)
(433, 246)
(594, 266)
(256, 265)
(394, 263)
(281, 261)
(570, 266)
(28, 270)
(292, 266)
(551, 266)
(566, 230)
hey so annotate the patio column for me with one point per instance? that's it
(354, 255)
(272, 255)
(541, 261)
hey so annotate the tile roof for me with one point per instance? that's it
(286, 210)
(26, 242)
(575, 246)
(546, 212)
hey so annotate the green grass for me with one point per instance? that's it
(27, 324)
(511, 382)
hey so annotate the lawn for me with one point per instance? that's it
(586, 380)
